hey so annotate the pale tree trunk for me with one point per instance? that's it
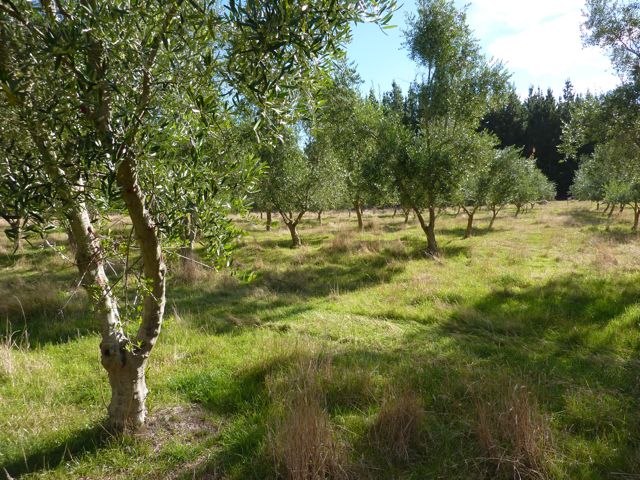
(429, 230)
(268, 220)
(358, 209)
(127, 370)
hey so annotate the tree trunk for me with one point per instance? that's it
(518, 207)
(268, 220)
(395, 211)
(295, 238)
(597, 206)
(189, 241)
(494, 214)
(621, 207)
(292, 224)
(429, 230)
(358, 209)
(320, 217)
(71, 240)
(406, 215)
(127, 369)
(469, 231)
(636, 217)
(17, 225)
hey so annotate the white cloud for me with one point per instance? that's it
(540, 43)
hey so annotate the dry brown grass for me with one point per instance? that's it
(302, 440)
(11, 341)
(513, 435)
(342, 242)
(397, 429)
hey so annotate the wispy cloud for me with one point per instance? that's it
(540, 43)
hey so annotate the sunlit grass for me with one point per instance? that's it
(547, 302)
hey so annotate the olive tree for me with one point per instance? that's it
(348, 123)
(89, 102)
(458, 87)
(299, 180)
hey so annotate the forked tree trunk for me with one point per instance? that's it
(470, 214)
(268, 220)
(621, 207)
(494, 214)
(292, 224)
(429, 230)
(127, 369)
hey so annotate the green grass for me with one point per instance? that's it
(549, 301)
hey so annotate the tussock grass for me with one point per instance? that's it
(514, 436)
(302, 440)
(397, 430)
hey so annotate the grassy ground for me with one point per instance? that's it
(354, 356)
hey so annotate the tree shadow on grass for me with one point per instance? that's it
(571, 333)
(584, 217)
(88, 440)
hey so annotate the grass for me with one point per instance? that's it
(516, 355)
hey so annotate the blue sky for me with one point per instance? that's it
(539, 42)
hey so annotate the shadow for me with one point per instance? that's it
(88, 440)
(565, 340)
(461, 231)
(584, 217)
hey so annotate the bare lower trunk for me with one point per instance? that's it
(320, 217)
(621, 207)
(187, 250)
(429, 230)
(494, 214)
(268, 220)
(17, 228)
(597, 205)
(469, 232)
(395, 211)
(71, 240)
(406, 215)
(518, 208)
(127, 372)
(295, 238)
(636, 217)
(292, 223)
(358, 209)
